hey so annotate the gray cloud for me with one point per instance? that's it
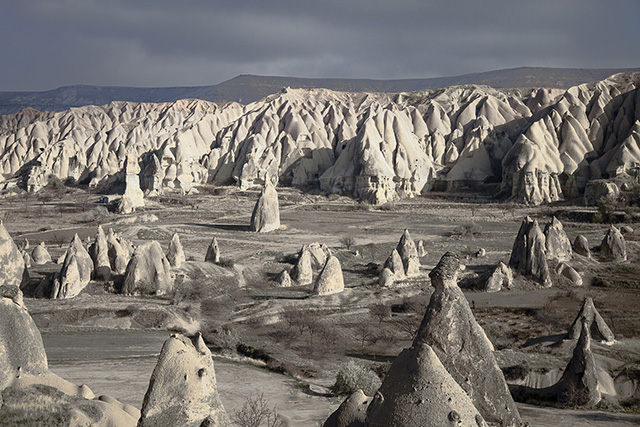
(50, 43)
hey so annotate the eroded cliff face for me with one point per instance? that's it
(541, 144)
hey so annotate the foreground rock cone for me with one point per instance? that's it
(182, 389)
(451, 330)
(40, 255)
(613, 245)
(330, 280)
(351, 413)
(528, 255)
(213, 252)
(133, 196)
(148, 272)
(266, 213)
(409, 254)
(175, 254)
(593, 321)
(99, 252)
(557, 243)
(13, 271)
(418, 391)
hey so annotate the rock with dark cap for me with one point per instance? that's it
(182, 389)
(13, 271)
(557, 243)
(589, 315)
(418, 391)
(351, 413)
(613, 246)
(581, 246)
(266, 213)
(451, 330)
(528, 255)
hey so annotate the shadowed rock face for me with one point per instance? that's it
(266, 213)
(418, 391)
(148, 271)
(330, 279)
(213, 252)
(557, 243)
(528, 255)
(182, 389)
(119, 254)
(613, 245)
(21, 348)
(13, 271)
(351, 413)
(451, 330)
(175, 254)
(589, 316)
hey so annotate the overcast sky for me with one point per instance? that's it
(50, 43)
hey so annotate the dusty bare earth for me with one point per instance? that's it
(238, 301)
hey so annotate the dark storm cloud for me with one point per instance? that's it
(50, 43)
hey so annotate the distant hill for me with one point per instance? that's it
(250, 88)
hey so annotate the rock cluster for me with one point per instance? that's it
(266, 213)
(148, 271)
(311, 257)
(528, 255)
(403, 262)
(75, 275)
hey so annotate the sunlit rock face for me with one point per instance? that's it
(540, 144)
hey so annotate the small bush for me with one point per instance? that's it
(255, 412)
(227, 263)
(348, 242)
(352, 377)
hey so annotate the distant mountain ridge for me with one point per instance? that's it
(250, 88)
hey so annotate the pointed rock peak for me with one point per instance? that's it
(175, 254)
(418, 391)
(213, 252)
(351, 413)
(13, 271)
(614, 246)
(100, 234)
(529, 254)
(394, 263)
(591, 318)
(330, 280)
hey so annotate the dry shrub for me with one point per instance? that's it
(353, 376)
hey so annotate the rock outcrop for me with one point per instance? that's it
(599, 190)
(266, 213)
(409, 254)
(570, 273)
(133, 196)
(581, 246)
(613, 246)
(68, 283)
(148, 271)
(302, 272)
(451, 330)
(557, 242)
(589, 316)
(501, 278)
(213, 252)
(40, 255)
(351, 413)
(120, 252)
(99, 252)
(13, 271)
(330, 279)
(528, 255)
(318, 252)
(284, 279)
(182, 389)
(392, 271)
(418, 391)
(175, 253)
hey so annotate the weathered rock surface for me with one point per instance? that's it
(120, 252)
(99, 252)
(182, 389)
(528, 255)
(133, 196)
(557, 242)
(330, 279)
(175, 253)
(613, 246)
(581, 246)
(599, 190)
(13, 271)
(266, 213)
(284, 279)
(85, 263)
(451, 330)
(409, 254)
(69, 284)
(570, 273)
(351, 413)
(148, 271)
(393, 270)
(592, 320)
(319, 253)
(40, 255)
(501, 278)
(418, 391)
(302, 272)
(213, 252)
(421, 250)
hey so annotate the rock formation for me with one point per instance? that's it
(119, 252)
(302, 272)
(598, 190)
(501, 278)
(392, 271)
(213, 252)
(557, 243)
(409, 254)
(421, 250)
(528, 255)
(13, 271)
(581, 246)
(351, 413)
(284, 279)
(27, 259)
(330, 279)
(613, 246)
(182, 389)
(99, 252)
(133, 196)
(318, 252)
(83, 259)
(148, 271)
(266, 213)
(418, 391)
(175, 254)
(592, 320)
(451, 330)
(570, 273)
(69, 283)
(40, 254)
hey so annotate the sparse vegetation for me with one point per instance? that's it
(256, 412)
(353, 376)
